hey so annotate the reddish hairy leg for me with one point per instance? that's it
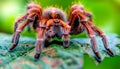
(100, 33)
(65, 36)
(16, 35)
(48, 35)
(104, 39)
(40, 41)
(89, 15)
(76, 26)
(91, 34)
(19, 20)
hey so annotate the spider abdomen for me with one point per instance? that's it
(54, 13)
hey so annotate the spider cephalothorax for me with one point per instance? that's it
(53, 22)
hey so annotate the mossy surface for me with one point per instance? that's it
(52, 57)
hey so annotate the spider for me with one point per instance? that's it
(53, 22)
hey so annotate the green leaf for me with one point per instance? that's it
(113, 40)
(52, 57)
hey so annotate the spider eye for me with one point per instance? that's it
(58, 16)
(81, 8)
(56, 21)
(28, 8)
(50, 15)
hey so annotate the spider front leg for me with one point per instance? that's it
(65, 40)
(40, 41)
(65, 36)
(89, 15)
(29, 27)
(104, 39)
(93, 41)
(19, 20)
(48, 35)
(16, 35)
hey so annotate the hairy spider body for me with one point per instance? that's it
(54, 13)
(80, 21)
(53, 22)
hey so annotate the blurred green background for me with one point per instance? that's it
(106, 15)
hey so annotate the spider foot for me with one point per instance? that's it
(97, 56)
(36, 57)
(110, 52)
(11, 48)
(66, 44)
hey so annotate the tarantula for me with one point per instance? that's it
(53, 22)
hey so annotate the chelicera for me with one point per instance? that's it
(53, 22)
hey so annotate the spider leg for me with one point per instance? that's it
(40, 40)
(65, 40)
(74, 22)
(89, 15)
(29, 27)
(19, 20)
(65, 37)
(16, 35)
(48, 35)
(91, 34)
(104, 39)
